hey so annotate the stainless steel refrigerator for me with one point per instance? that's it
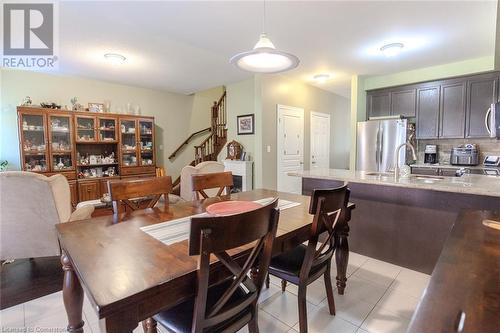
(377, 141)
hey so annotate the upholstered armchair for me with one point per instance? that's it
(30, 206)
(203, 167)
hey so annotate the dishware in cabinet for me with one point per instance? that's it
(146, 142)
(107, 129)
(129, 142)
(85, 128)
(60, 130)
(33, 143)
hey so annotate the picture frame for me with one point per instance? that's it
(245, 124)
(96, 107)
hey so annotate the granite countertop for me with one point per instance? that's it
(467, 184)
(445, 165)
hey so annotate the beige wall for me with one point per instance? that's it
(175, 114)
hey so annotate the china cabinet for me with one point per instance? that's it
(88, 148)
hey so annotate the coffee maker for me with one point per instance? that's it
(430, 154)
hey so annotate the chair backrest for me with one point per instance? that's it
(186, 190)
(30, 205)
(223, 181)
(216, 235)
(329, 207)
(140, 193)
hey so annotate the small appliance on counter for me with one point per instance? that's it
(492, 161)
(467, 154)
(430, 154)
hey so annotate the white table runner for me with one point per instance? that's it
(177, 230)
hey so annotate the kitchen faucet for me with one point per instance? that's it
(396, 157)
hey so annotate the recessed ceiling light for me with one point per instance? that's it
(115, 58)
(392, 50)
(321, 78)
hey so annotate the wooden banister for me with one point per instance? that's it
(208, 129)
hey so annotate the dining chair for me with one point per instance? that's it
(221, 180)
(304, 264)
(230, 305)
(139, 194)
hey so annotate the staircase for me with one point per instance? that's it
(209, 149)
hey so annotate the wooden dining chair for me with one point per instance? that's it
(230, 305)
(306, 263)
(221, 180)
(140, 193)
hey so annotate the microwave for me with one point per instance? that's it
(492, 120)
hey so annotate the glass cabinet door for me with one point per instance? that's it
(146, 142)
(107, 129)
(34, 142)
(128, 142)
(85, 129)
(60, 139)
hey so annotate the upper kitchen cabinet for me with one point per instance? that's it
(482, 91)
(428, 112)
(403, 102)
(378, 103)
(452, 109)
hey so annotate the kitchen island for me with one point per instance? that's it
(405, 221)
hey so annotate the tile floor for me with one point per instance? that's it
(380, 297)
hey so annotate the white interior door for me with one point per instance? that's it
(320, 140)
(290, 147)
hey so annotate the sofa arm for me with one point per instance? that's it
(82, 213)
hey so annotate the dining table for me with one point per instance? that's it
(128, 276)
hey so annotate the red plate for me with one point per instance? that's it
(232, 207)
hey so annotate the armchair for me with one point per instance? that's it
(30, 206)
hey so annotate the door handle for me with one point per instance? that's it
(486, 121)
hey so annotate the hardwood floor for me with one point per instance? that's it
(27, 279)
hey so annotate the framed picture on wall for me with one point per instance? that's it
(246, 124)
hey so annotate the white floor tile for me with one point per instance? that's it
(398, 302)
(50, 322)
(46, 306)
(360, 330)
(269, 292)
(268, 323)
(316, 291)
(89, 312)
(352, 310)
(320, 320)
(377, 271)
(411, 282)
(362, 290)
(384, 321)
(12, 317)
(285, 308)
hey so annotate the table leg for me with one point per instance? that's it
(72, 296)
(342, 257)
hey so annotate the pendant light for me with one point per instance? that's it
(264, 58)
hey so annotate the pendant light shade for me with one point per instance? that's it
(264, 58)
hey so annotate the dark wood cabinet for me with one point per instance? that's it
(379, 104)
(428, 112)
(88, 190)
(403, 102)
(73, 188)
(482, 91)
(452, 109)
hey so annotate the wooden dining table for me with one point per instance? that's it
(128, 275)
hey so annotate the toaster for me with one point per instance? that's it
(464, 155)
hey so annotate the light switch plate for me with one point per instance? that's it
(268, 149)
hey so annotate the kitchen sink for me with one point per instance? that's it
(381, 174)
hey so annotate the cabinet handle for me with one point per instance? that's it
(460, 322)
(486, 120)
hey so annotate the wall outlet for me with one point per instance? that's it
(268, 149)
(161, 147)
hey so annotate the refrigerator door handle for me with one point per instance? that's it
(377, 160)
(381, 149)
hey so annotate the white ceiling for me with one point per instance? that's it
(185, 46)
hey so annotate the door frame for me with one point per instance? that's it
(319, 114)
(279, 143)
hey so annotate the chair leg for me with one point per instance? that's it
(253, 325)
(267, 281)
(283, 285)
(329, 291)
(302, 309)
